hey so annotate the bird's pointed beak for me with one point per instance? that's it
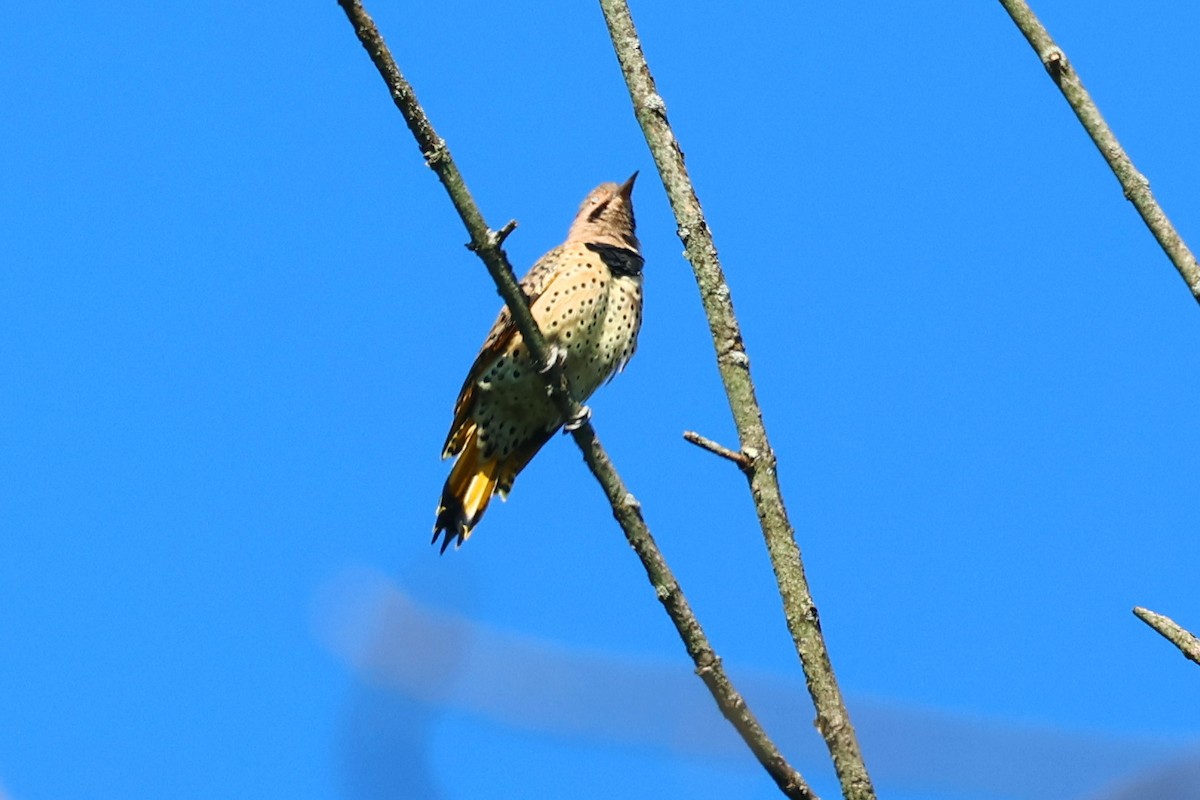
(626, 188)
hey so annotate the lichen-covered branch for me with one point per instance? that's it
(1137, 188)
(801, 612)
(626, 509)
(1172, 631)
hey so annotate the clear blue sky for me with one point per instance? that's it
(237, 310)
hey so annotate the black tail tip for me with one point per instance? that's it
(451, 524)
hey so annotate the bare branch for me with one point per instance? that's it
(1137, 188)
(1174, 633)
(833, 721)
(743, 460)
(626, 508)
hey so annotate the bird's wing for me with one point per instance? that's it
(533, 285)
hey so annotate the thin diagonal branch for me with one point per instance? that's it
(1137, 188)
(801, 612)
(1172, 631)
(626, 509)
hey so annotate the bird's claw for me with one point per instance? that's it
(576, 422)
(555, 356)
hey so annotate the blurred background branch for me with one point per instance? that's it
(411, 654)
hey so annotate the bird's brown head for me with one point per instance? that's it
(606, 217)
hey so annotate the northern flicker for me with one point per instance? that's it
(586, 296)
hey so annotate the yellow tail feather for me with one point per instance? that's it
(473, 480)
(466, 494)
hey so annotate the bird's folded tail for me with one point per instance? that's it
(466, 494)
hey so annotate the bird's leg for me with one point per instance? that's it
(575, 422)
(556, 356)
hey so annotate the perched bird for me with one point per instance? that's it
(586, 296)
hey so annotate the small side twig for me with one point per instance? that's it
(502, 234)
(626, 509)
(743, 459)
(1137, 188)
(1172, 631)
